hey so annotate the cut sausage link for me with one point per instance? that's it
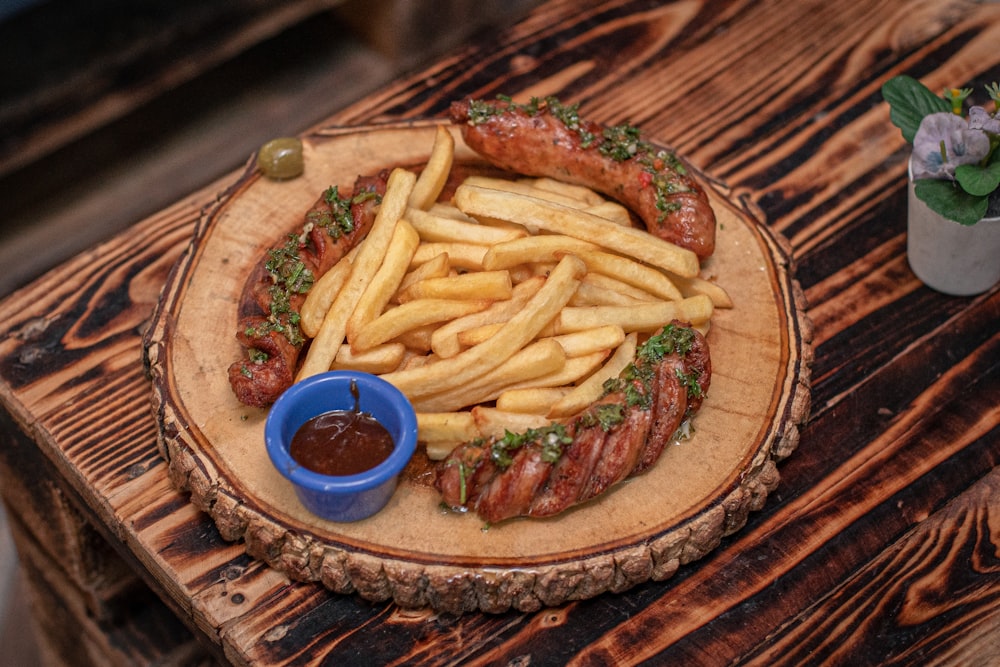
(545, 471)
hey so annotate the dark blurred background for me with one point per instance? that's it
(111, 110)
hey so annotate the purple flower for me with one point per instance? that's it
(943, 142)
(980, 119)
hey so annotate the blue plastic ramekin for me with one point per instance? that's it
(349, 497)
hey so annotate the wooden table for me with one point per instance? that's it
(878, 546)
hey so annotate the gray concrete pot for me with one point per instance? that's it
(955, 259)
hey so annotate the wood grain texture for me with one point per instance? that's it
(879, 544)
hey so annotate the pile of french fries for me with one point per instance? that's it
(502, 310)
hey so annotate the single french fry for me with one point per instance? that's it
(613, 285)
(579, 192)
(534, 360)
(647, 317)
(418, 340)
(698, 285)
(414, 356)
(379, 359)
(436, 267)
(437, 229)
(479, 334)
(386, 280)
(630, 272)
(559, 219)
(592, 388)
(331, 334)
(574, 370)
(412, 315)
(517, 332)
(502, 224)
(438, 450)
(467, 256)
(323, 293)
(536, 400)
(445, 341)
(477, 285)
(576, 344)
(435, 173)
(446, 426)
(613, 211)
(444, 209)
(533, 249)
(581, 343)
(495, 423)
(589, 294)
(523, 188)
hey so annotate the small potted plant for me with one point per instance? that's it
(953, 221)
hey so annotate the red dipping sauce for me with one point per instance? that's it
(341, 442)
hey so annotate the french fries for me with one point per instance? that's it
(332, 331)
(377, 360)
(534, 360)
(592, 388)
(542, 215)
(323, 292)
(491, 285)
(385, 282)
(443, 229)
(645, 317)
(631, 273)
(516, 333)
(533, 250)
(435, 173)
(445, 340)
(531, 400)
(502, 310)
(411, 316)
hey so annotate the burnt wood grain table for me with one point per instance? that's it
(881, 542)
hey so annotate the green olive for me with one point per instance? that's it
(281, 158)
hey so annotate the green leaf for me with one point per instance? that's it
(978, 180)
(950, 201)
(909, 101)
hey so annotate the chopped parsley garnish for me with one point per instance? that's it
(605, 415)
(635, 381)
(338, 220)
(288, 272)
(621, 142)
(690, 382)
(671, 339)
(550, 440)
(289, 276)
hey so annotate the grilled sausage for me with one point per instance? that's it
(549, 139)
(268, 327)
(543, 472)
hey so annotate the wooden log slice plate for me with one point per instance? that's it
(413, 551)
